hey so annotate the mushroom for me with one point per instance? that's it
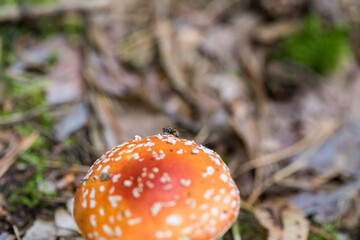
(158, 187)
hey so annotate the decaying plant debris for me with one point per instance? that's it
(275, 91)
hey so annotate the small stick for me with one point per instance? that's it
(163, 32)
(16, 13)
(298, 164)
(16, 231)
(235, 230)
(276, 156)
(19, 148)
(320, 232)
(22, 116)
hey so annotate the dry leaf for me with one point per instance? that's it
(75, 119)
(329, 9)
(7, 236)
(220, 36)
(283, 8)
(295, 225)
(133, 123)
(41, 230)
(64, 220)
(137, 48)
(269, 217)
(327, 206)
(343, 144)
(283, 220)
(66, 81)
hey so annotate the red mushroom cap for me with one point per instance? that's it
(159, 187)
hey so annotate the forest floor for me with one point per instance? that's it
(272, 86)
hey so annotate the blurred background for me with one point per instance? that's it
(272, 85)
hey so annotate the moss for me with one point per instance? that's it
(327, 228)
(316, 46)
(26, 195)
(16, 97)
(72, 25)
(23, 95)
(23, 130)
(29, 195)
(9, 34)
(35, 158)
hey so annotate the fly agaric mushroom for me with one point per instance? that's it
(159, 187)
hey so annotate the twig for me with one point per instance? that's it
(235, 230)
(247, 206)
(175, 76)
(276, 156)
(215, 9)
(253, 66)
(54, 111)
(251, 132)
(16, 231)
(103, 107)
(16, 150)
(270, 33)
(319, 180)
(259, 172)
(16, 13)
(202, 135)
(241, 127)
(72, 237)
(101, 103)
(54, 199)
(352, 12)
(22, 116)
(320, 232)
(298, 163)
(98, 37)
(1, 54)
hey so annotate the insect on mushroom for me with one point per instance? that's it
(158, 187)
(171, 131)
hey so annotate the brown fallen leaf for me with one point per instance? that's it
(268, 216)
(351, 218)
(272, 32)
(279, 9)
(65, 77)
(3, 211)
(283, 220)
(65, 181)
(295, 225)
(17, 149)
